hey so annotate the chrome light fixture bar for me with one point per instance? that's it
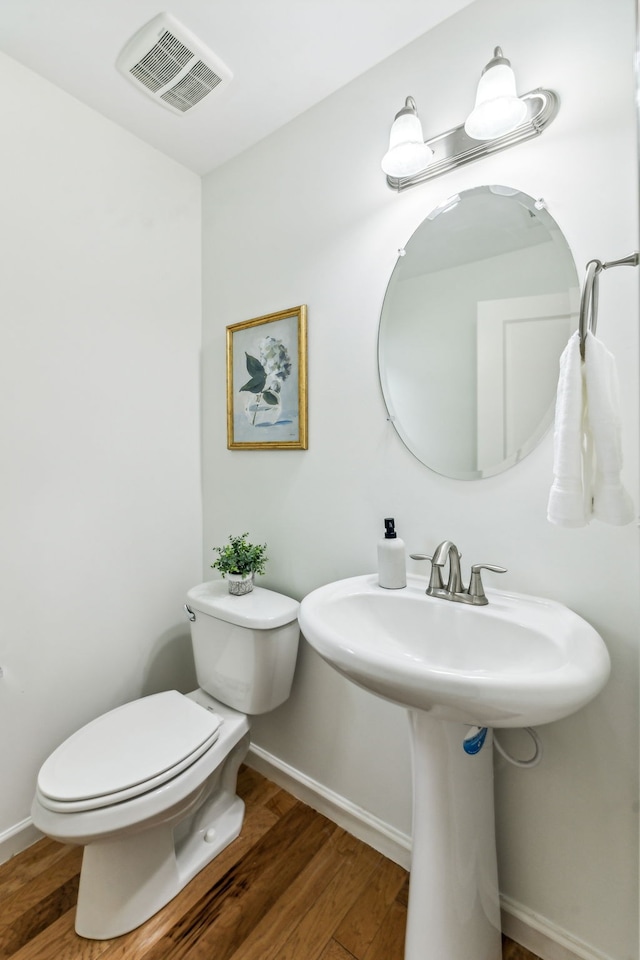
(455, 147)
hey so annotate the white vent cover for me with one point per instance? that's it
(169, 63)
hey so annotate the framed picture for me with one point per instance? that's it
(267, 382)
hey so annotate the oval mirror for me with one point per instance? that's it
(478, 309)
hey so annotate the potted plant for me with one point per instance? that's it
(238, 561)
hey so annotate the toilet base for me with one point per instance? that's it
(125, 880)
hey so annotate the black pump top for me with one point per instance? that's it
(389, 529)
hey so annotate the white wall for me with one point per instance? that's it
(306, 217)
(99, 423)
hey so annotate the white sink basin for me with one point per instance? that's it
(519, 661)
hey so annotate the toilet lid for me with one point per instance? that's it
(127, 752)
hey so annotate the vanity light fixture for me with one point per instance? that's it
(408, 154)
(500, 119)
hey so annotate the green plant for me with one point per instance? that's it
(240, 557)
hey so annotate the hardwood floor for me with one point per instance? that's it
(293, 886)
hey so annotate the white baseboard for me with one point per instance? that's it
(543, 937)
(18, 838)
(359, 823)
(532, 931)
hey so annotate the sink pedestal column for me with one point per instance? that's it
(454, 911)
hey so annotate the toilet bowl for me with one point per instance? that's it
(149, 789)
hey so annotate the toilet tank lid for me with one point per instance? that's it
(260, 610)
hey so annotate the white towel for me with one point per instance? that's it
(587, 446)
(567, 499)
(611, 502)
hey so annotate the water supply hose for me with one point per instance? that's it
(532, 761)
(475, 738)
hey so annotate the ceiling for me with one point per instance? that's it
(285, 56)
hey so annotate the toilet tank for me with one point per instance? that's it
(244, 648)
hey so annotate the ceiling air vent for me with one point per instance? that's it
(171, 65)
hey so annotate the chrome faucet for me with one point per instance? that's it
(455, 589)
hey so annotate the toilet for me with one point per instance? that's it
(149, 788)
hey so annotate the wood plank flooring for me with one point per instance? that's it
(293, 886)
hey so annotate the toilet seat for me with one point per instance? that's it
(127, 752)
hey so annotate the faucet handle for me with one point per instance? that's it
(476, 588)
(435, 582)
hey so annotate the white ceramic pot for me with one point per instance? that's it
(240, 583)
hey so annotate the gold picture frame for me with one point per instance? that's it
(267, 382)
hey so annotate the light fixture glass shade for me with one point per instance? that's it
(498, 110)
(408, 154)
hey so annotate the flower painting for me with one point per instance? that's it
(267, 382)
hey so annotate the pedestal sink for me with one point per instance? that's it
(519, 661)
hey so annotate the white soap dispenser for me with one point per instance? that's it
(392, 565)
